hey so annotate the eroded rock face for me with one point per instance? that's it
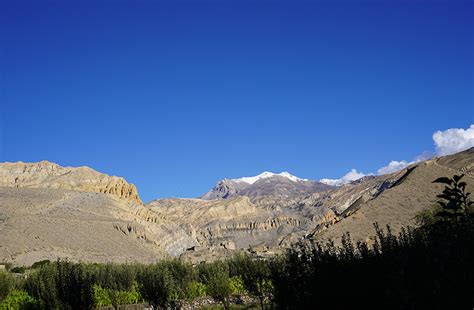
(45, 174)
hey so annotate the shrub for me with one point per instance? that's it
(7, 283)
(104, 297)
(40, 263)
(101, 296)
(17, 300)
(18, 269)
(195, 289)
(237, 286)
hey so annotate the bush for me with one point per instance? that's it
(18, 269)
(40, 263)
(101, 296)
(17, 300)
(104, 297)
(195, 289)
(6, 284)
(237, 286)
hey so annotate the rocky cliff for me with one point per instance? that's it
(45, 174)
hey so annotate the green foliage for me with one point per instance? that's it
(40, 263)
(17, 300)
(61, 285)
(129, 297)
(195, 289)
(104, 297)
(255, 274)
(237, 286)
(265, 286)
(7, 283)
(18, 269)
(113, 276)
(41, 284)
(74, 285)
(428, 217)
(101, 296)
(164, 283)
(425, 268)
(216, 277)
(454, 199)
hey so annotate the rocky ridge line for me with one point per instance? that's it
(45, 174)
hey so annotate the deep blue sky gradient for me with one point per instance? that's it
(175, 95)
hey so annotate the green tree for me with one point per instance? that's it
(216, 277)
(74, 285)
(255, 274)
(454, 200)
(156, 284)
(41, 284)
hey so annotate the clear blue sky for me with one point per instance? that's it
(175, 95)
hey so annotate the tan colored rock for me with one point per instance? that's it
(45, 174)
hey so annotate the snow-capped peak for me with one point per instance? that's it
(266, 174)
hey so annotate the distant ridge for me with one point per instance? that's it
(265, 184)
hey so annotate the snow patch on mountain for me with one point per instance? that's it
(266, 174)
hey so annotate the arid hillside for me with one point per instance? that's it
(48, 212)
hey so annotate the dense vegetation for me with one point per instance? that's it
(429, 267)
(66, 285)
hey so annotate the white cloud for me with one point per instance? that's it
(424, 156)
(447, 142)
(347, 178)
(393, 166)
(453, 140)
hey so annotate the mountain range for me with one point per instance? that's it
(265, 184)
(49, 212)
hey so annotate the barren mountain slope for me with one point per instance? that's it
(38, 224)
(463, 161)
(399, 204)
